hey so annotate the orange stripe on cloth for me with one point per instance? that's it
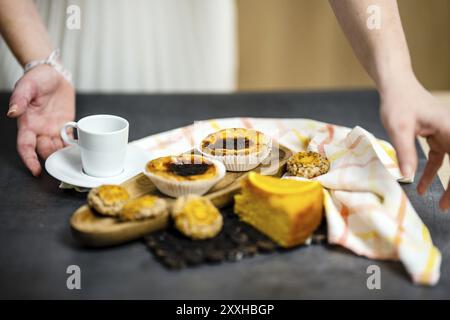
(400, 217)
(344, 213)
(163, 144)
(175, 138)
(356, 142)
(247, 123)
(304, 140)
(427, 273)
(337, 155)
(327, 140)
(367, 235)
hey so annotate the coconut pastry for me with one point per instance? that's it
(197, 217)
(108, 199)
(185, 174)
(239, 149)
(144, 207)
(307, 164)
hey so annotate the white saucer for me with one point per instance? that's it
(65, 165)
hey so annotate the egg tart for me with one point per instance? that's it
(197, 217)
(238, 149)
(185, 174)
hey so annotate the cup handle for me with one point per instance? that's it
(63, 132)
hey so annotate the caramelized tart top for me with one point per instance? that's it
(235, 141)
(183, 168)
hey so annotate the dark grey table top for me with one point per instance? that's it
(36, 244)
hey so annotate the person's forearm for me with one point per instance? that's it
(383, 52)
(23, 30)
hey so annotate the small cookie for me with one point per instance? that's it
(197, 217)
(108, 199)
(143, 207)
(307, 164)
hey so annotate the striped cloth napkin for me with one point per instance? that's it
(367, 211)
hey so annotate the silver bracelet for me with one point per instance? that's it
(51, 61)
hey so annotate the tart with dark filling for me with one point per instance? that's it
(184, 174)
(239, 149)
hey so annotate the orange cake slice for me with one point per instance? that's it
(287, 211)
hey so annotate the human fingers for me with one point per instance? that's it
(403, 138)
(44, 146)
(57, 143)
(444, 203)
(24, 92)
(433, 164)
(26, 146)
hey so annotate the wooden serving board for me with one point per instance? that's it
(92, 229)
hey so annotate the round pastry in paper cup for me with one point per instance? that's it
(239, 149)
(184, 174)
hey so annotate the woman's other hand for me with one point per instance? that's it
(409, 110)
(42, 101)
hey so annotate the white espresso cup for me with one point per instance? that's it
(102, 140)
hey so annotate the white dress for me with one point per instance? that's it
(141, 45)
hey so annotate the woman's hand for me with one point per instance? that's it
(408, 110)
(42, 101)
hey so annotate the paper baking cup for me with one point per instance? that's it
(176, 188)
(241, 162)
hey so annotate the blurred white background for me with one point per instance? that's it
(141, 45)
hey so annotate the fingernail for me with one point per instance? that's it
(12, 110)
(36, 173)
(407, 172)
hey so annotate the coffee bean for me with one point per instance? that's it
(173, 262)
(253, 234)
(250, 250)
(235, 255)
(266, 245)
(239, 238)
(161, 252)
(214, 255)
(162, 236)
(236, 241)
(151, 243)
(193, 257)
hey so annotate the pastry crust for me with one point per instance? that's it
(143, 207)
(183, 168)
(108, 199)
(235, 141)
(238, 149)
(197, 217)
(307, 164)
(185, 174)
